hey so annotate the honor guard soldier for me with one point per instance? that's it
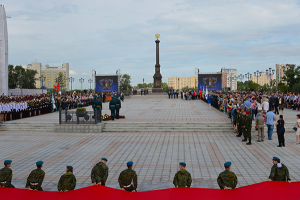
(94, 102)
(118, 107)
(127, 177)
(182, 178)
(112, 107)
(67, 181)
(227, 180)
(6, 175)
(279, 172)
(248, 126)
(239, 122)
(36, 177)
(100, 173)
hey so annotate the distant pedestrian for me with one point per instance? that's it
(209, 102)
(260, 127)
(280, 131)
(271, 117)
(298, 128)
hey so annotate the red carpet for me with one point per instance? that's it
(264, 190)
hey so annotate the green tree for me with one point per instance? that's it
(293, 76)
(125, 83)
(14, 77)
(165, 87)
(296, 88)
(62, 80)
(281, 87)
(240, 85)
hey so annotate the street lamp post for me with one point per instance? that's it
(71, 79)
(90, 81)
(248, 76)
(21, 78)
(178, 84)
(287, 71)
(270, 72)
(42, 78)
(257, 74)
(81, 81)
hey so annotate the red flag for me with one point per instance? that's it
(201, 92)
(56, 87)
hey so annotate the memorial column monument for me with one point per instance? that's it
(157, 84)
(3, 52)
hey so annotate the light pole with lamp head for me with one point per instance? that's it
(71, 79)
(287, 71)
(42, 78)
(257, 74)
(270, 72)
(90, 81)
(248, 76)
(21, 77)
(81, 81)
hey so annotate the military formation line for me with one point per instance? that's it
(128, 180)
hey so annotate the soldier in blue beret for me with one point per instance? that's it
(67, 182)
(279, 172)
(6, 175)
(127, 177)
(182, 178)
(100, 173)
(227, 180)
(36, 177)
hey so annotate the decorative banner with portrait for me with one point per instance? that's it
(107, 83)
(211, 81)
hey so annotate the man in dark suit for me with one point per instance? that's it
(272, 102)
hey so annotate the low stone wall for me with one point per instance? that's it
(79, 128)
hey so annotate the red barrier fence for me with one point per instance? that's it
(264, 191)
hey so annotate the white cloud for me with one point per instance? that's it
(240, 34)
(71, 72)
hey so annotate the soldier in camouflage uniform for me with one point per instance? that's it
(182, 178)
(279, 172)
(127, 177)
(100, 172)
(6, 175)
(36, 177)
(227, 180)
(67, 181)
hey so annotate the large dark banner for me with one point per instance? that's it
(212, 81)
(106, 83)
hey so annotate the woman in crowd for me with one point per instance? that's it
(253, 107)
(298, 128)
(280, 131)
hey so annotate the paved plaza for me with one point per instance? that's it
(155, 154)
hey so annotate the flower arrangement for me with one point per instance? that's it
(80, 105)
(105, 117)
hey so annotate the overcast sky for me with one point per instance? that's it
(119, 34)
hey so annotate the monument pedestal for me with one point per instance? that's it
(157, 90)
